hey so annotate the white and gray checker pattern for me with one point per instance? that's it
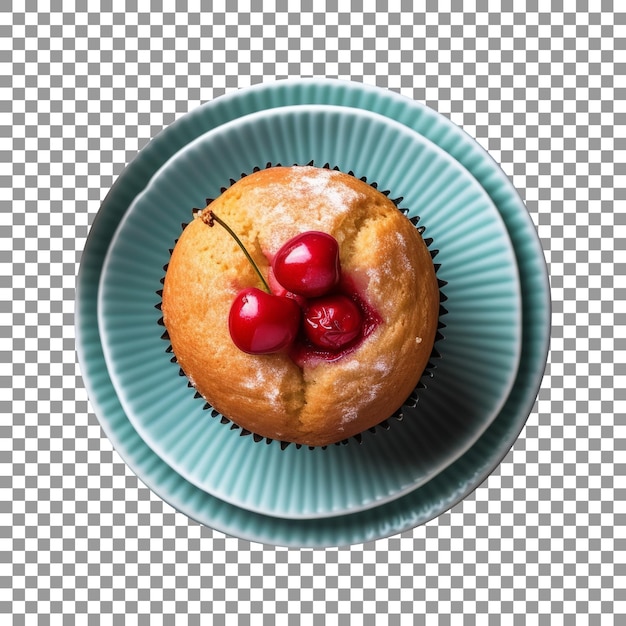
(84, 86)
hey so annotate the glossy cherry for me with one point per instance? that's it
(278, 290)
(332, 322)
(259, 322)
(308, 264)
(262, 323)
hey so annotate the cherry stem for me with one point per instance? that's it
(214, 218)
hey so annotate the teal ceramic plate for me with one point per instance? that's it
(483, 323)
(420, 505)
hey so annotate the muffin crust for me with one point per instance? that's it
(316, 401)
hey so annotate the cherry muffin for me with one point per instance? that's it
(302, 304)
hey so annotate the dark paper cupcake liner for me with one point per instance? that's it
(412, 400)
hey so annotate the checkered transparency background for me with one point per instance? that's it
(85, 85)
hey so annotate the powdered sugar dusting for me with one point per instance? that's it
(388, 268)
(404, 257)
(256, 381)
(378, 277)
(382, 366)
(317, 182)
(379, 370)
(316, 189)
(253, 380)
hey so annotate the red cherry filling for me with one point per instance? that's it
(261, 323)
(332, 322)
(308, 264)
(304, 350)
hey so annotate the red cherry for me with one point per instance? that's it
(332, 322)
(308, 264)
(278, 290)
(261, 323)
